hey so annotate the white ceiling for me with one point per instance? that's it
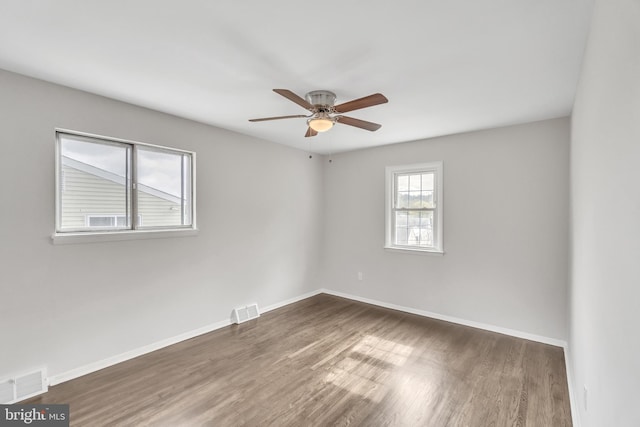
(447, 66)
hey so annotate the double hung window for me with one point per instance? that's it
(414, 207)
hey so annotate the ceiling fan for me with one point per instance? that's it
(324, 114)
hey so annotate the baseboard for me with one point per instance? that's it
(573, 394)
(110, 361)
(511, 332)
(291, 300)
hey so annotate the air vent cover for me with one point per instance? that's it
(242, 314)
(20, 387)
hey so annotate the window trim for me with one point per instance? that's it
(97, 235)
(120, 235)
(390, 174)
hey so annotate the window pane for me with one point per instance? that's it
(415, 200)
(403, 183)
(426, 229)
(426, 237)
(414, 228)
(427, 181)
(415, 191)
(427, 200)
(121, 220)
(401, 235)
(414, 218)
(415, 182)
(402, 199)
(100, 221)
(401, 219)
(94, 182)
(164, 188)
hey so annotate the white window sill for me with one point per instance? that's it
(113, 236)
(413, 251)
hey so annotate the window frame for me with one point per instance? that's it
(391, 172)
(137, 229)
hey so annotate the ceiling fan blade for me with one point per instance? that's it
(277, 118)
(356, 104)
(310, 132)
(362, 124)
(295, 98)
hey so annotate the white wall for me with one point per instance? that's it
(505, 228)
(605, 187)
(64, 306)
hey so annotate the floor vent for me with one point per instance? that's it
(20, 387)
(242, 314)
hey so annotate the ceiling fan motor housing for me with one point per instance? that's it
(321, 98)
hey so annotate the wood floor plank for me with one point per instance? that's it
(329, 361)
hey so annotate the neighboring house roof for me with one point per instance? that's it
(118, 179)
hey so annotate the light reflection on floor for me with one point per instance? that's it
(364, 370)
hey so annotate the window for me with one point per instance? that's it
(109, 221)
(106, 221)
(104, 184)
(414, 207)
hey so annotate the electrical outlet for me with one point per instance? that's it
(584, 396)
(359, 275)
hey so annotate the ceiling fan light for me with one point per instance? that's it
(321, 124)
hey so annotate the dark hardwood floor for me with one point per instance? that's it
(328, 361)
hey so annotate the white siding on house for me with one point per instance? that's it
(157, 212)
(85, 194)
